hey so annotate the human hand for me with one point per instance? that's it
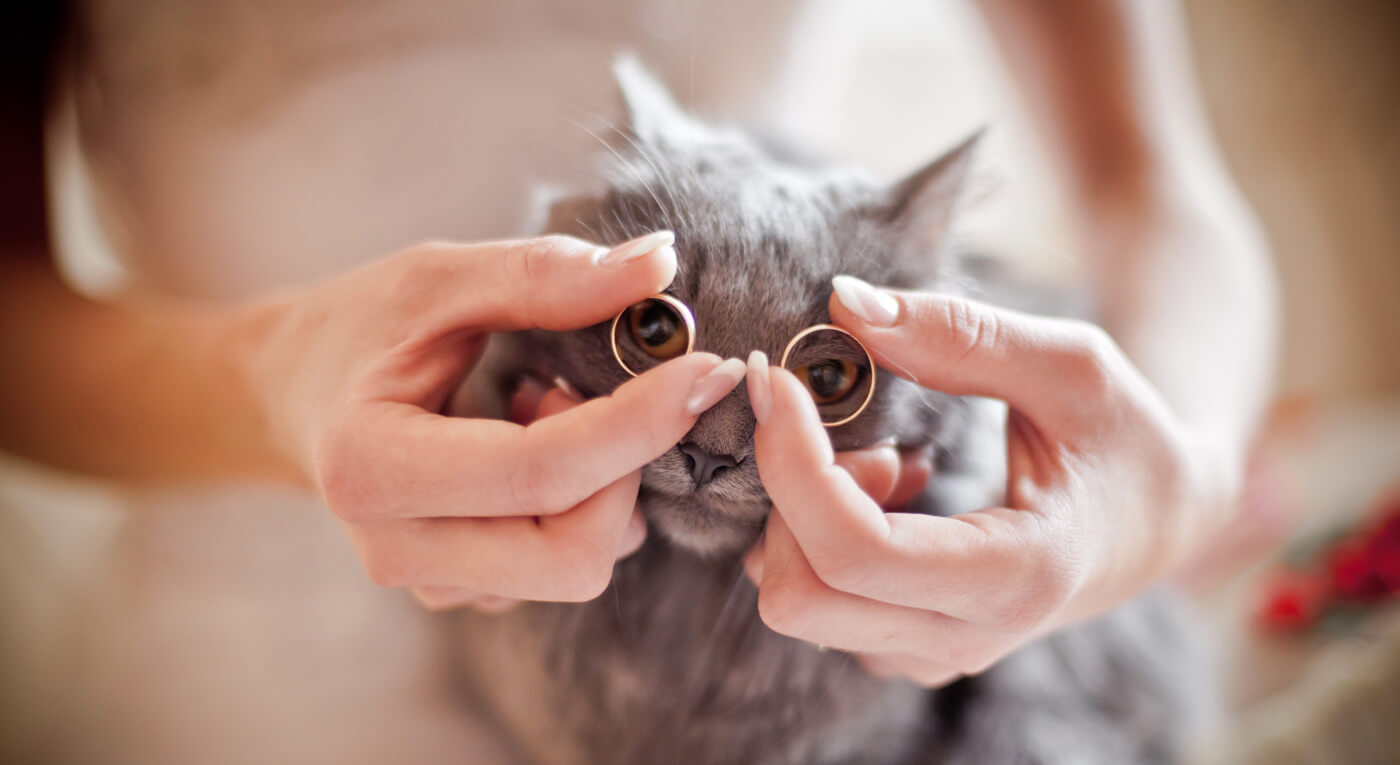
(1106, 492)
(355, 372)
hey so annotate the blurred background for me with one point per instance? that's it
(1304, 97)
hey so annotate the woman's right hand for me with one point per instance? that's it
(352, 375)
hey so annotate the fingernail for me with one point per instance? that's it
(714, 386)
(568, 389)
(872, 306)
(760, 390)
(632, 249)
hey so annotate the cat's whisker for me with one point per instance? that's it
(642, 152)
(666, 183)
(621, 160)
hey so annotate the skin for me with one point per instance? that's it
(1125, 470)
(337, 386)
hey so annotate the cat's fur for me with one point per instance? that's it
(672, 664)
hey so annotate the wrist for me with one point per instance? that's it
(1215, 473)
(244, 337)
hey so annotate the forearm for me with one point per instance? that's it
(1188, 291)
(148, 392)
(1182, 270)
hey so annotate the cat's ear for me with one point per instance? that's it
(924, 203)
(651, 113)
(555, 210)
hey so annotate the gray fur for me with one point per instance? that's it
(672, 664)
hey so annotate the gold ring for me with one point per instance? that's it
(869, 394)
(681, 308)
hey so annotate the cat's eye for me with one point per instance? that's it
(660, 327)
(835, 368)
(828, 380)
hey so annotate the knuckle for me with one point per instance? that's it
(587, 569)
(528, 268)
(1050, 575)
(1088, 362)
(535, 259)
(782, 608)
(384, 568)
(1048, 589)
(971, 330)
(840, 569)
(535, 490)
(339, 479)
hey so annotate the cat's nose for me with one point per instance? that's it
(705, 466)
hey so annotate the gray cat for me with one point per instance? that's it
(672, 664)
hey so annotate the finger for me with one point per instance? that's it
(966, 347)
(396, 461)
(566, 558)
(556, 401)
(875, 469)
(448, 598)
(797, 466)
(753, 562)
(633, 536)
(524, 404)
(995, 566)
(792, 600)
(562, 399)
(551, 282)
(915, 468)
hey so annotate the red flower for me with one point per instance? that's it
(1352, 569)
(1385, 553)
(1292, 601)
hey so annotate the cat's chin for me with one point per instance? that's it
(711, 528)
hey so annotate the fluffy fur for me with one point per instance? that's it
(673, 664)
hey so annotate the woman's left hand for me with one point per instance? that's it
(1107, 491)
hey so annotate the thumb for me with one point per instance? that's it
(1047, 368)
(551, 282)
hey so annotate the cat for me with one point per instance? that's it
(673, 664)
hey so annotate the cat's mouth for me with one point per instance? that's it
(720, 518)
(703, 526)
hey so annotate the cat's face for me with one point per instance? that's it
(757, 244)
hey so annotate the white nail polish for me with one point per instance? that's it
(715, 385)
(760, 387)
(568, 389)
(872, 306)
(632, 249)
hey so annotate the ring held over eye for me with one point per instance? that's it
(831, 363)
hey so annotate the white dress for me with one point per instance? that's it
(222, 147)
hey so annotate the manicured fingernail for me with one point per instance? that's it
(632, 249)
(760, 389)
(714, 386)
(568, 389)
(872, 306)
